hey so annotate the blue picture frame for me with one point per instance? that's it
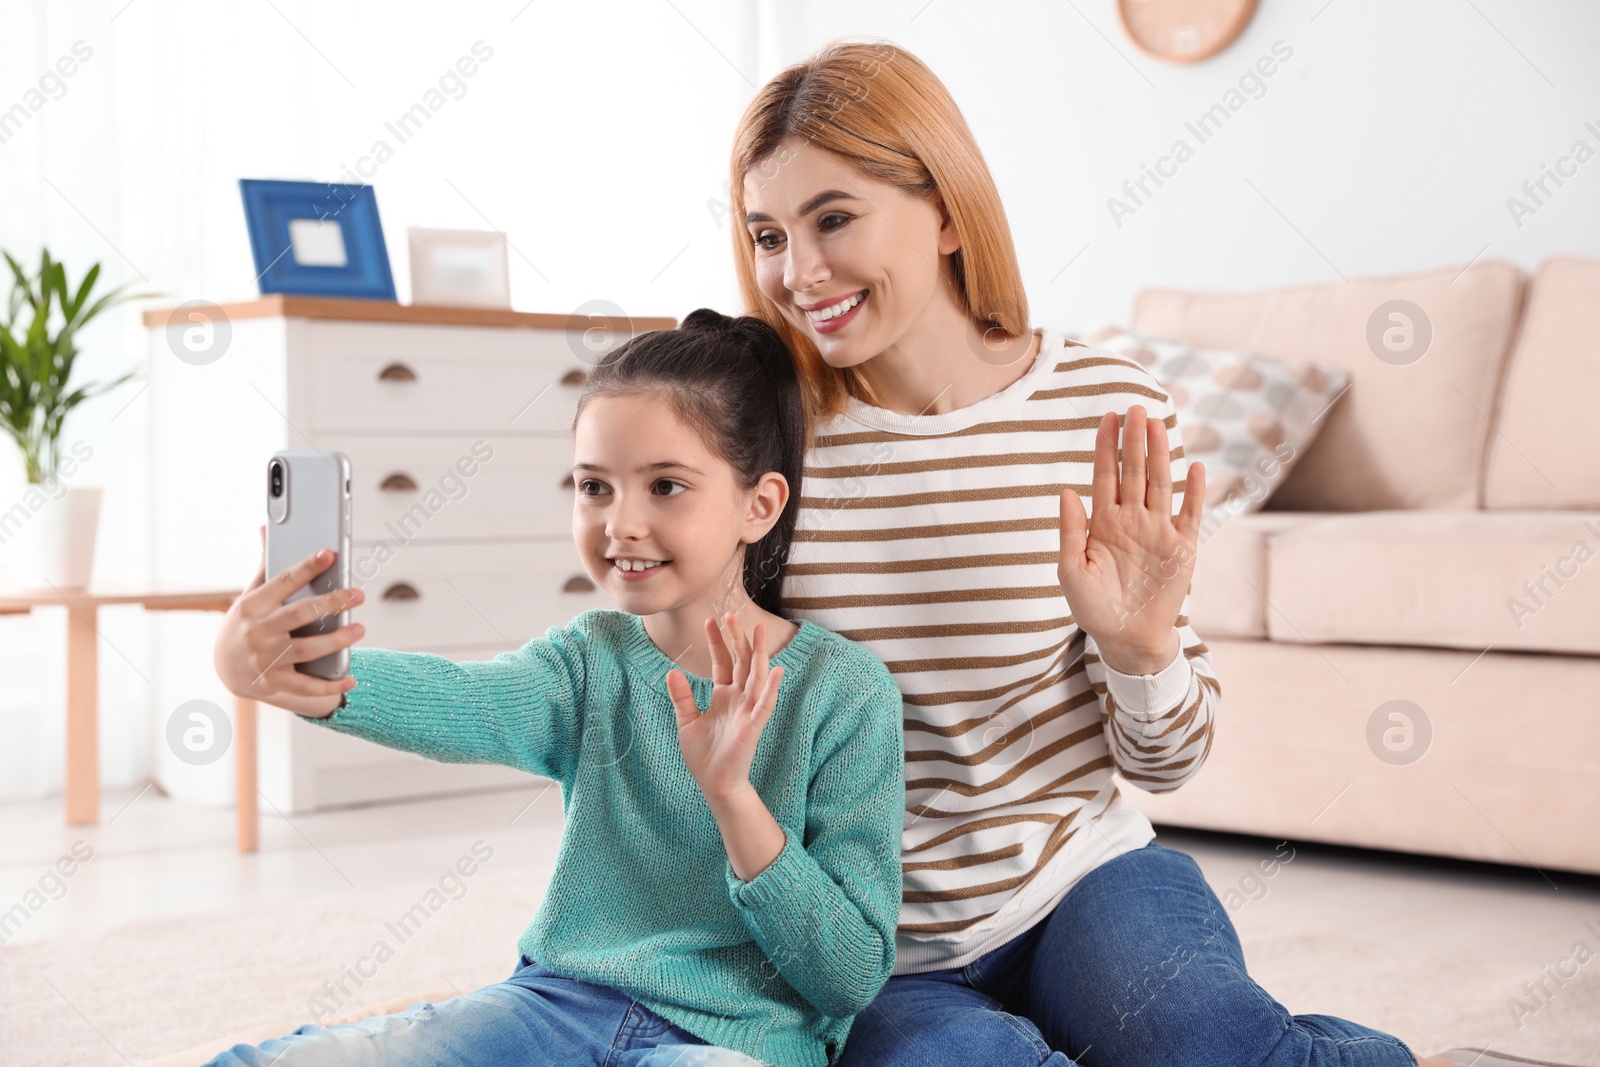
(317, 239)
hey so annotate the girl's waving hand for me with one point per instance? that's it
(719, 745)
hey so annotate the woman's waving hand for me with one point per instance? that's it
(1126, 569)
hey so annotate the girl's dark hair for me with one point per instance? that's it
(733, 381)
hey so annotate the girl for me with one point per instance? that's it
(1040, 650)
(727, 885)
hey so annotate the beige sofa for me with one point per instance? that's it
(1388, 567)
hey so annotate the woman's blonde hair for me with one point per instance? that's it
(880, 109)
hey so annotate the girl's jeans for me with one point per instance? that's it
(1137, 966)
(533, 1018)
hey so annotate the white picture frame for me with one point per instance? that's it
(462, 268)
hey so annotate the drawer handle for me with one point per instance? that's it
(578, 584)
(401, 591)
(574, 377)
(398, 483)
(397, 372)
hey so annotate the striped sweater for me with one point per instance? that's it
(933, 540)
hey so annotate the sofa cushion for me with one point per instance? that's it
(1230, 572)
(1516, 581)
(1552, 382)
(1246, 417)
(1413, 429)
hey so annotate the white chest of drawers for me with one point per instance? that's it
(456, 422)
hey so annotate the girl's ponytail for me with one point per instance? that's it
(734, 381)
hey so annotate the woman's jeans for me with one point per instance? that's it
(1138, 966)
(534, 1017)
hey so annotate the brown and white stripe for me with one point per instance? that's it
(933, 540)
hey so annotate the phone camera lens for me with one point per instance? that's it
(277, 479)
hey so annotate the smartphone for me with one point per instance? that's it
(308, 508)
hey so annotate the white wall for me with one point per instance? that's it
(1389, 141)
(597, 137)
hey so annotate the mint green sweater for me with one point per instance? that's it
(643, 898)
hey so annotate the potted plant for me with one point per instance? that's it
(52, 531)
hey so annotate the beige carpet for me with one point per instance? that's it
(151, 988)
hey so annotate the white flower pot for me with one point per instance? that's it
(54, 546)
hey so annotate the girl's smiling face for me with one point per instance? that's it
(825, 235)
(659, 518)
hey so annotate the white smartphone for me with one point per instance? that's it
(308, 507)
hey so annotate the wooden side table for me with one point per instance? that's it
(83, 693)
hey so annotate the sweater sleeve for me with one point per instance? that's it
(522, 709)
(824, 912)
(1159, 725)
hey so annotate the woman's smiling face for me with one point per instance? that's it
(825, 236)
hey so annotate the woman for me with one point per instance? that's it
(1037, 650)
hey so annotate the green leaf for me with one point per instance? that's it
(115, 296)
(16, 269)
(37, 358)
(76, 305)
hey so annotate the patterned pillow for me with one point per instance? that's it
(1248, 418)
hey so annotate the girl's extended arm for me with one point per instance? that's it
(520, 709)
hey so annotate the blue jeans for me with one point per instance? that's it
(1138, 965)
(535, 1017)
